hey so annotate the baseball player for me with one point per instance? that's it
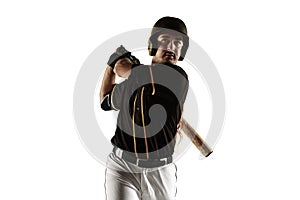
(150, 103)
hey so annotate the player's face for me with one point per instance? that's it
(169, 48)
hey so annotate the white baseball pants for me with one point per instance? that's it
(126, 181)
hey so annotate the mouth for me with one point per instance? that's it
(169, 54)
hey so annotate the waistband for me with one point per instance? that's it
(145, 163)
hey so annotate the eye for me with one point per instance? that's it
(178, 43)
(164, 41)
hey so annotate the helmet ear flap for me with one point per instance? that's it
(185, 47)
(152, 49)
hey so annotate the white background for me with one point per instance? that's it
(255, 46)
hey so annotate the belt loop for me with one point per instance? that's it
(119, 152)
(165, 160)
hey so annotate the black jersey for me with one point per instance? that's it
(150, 104)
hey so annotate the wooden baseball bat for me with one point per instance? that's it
(196, 138)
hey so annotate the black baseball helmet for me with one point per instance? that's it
(165, 24)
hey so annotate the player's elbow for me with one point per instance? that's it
(105, 103)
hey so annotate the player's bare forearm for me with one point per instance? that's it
(107, 82)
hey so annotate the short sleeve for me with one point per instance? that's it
(116, 96)
(106, 103)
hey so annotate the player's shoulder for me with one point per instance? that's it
(177, 68)
(181, 70)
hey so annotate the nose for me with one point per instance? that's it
(171, 46)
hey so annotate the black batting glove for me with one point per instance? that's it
(120, 53)
(134, 60)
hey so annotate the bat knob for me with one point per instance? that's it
(208, 154)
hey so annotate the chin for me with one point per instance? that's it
(173, 62)
(165, 61)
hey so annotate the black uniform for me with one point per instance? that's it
(144, 128)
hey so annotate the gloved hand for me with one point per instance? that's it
(134, 60)
(120, 53)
